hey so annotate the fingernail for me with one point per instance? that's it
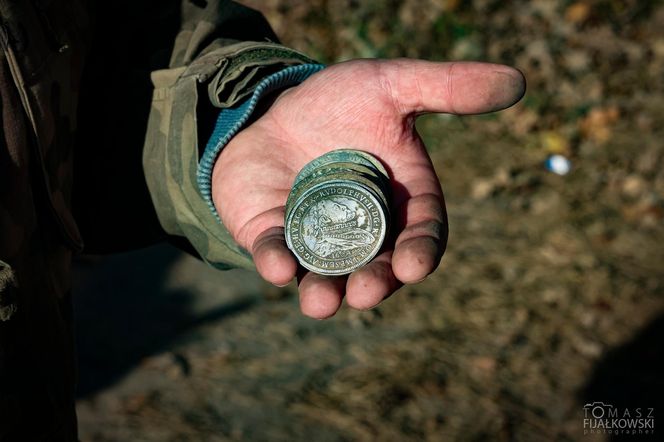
(516, 84)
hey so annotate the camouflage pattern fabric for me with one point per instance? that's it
(172, 148)
(214, 57)
(40, 67)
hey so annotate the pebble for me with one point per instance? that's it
(558, 164)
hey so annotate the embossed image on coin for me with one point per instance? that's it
(336, 227)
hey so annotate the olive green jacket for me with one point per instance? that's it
(106, 107)
(100, 86)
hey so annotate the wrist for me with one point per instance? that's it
(231, 120)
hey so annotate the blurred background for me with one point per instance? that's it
(550, 295)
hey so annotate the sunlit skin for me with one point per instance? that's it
(369, 105)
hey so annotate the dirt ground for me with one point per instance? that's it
(550, 295)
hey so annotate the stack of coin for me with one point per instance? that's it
(337, 212)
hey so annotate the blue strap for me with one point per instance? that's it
(231, 120)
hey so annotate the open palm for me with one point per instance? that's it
(368, 105)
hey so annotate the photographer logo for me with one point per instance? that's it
(601, 418)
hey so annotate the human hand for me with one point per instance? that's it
(370, 105)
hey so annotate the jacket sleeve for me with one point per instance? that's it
(220, 55)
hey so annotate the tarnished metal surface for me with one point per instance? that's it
(337, 213)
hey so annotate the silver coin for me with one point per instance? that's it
(336, 227)
(341, 171)
(342, 156)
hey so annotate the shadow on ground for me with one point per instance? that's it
(126, 309)
(630, 376)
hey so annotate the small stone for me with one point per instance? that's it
(558, 164)
(633, 186)
(577, 13)
(482, 188)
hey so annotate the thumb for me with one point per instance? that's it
(419, 86)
